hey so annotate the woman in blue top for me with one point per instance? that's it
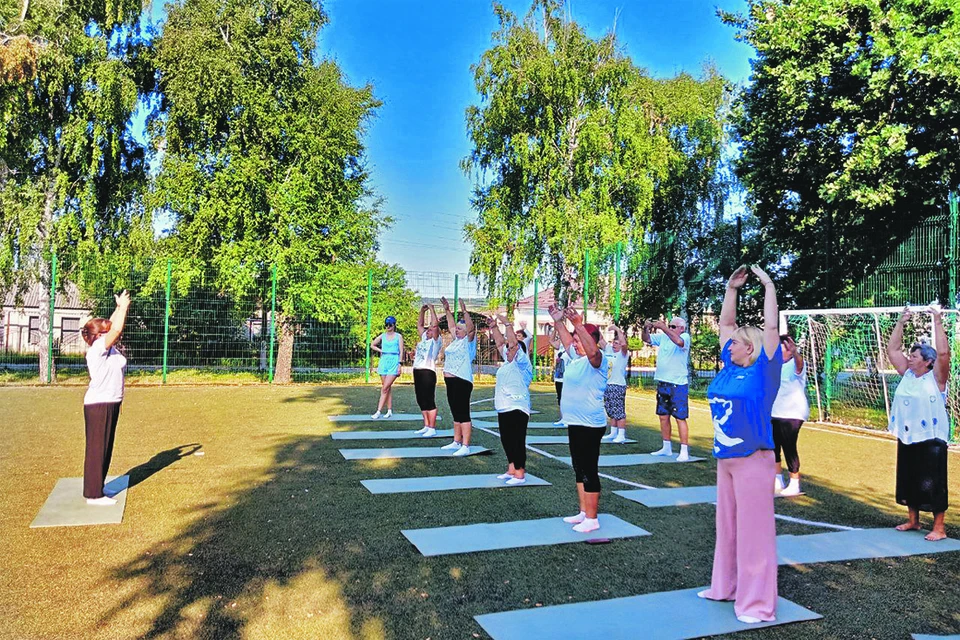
(741, 400)
(389, 345)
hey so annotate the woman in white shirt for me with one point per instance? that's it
(101, 403)
(918, 417)
(458, 360)
(425, 370)
(615, 397)
(790, 410)
(584, 382)
(512, 399)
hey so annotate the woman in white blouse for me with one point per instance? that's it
(458, 360)
(425, 369)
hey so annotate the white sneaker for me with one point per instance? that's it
(609, 437)
(662, 452)
(513, 481)
(103, 502)
(422, 431)
(462, 451)
(376, 416)
(559, 423)
(588, 525)
(749, 620)
(388, 413)
(621, 438)
(683, 457)
(452, 445)
(793, 489)
(777, 483)
(504, 476)
(429, 433)
(577, 519)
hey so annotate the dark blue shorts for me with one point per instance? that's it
(672, 400)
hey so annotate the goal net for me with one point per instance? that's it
(849, 377)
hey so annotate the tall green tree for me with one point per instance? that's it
(847, 130)
(263, 158)
(71, 75)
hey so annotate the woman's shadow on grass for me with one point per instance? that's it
(159, 462)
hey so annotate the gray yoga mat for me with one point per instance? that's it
(837, 546)
(668, 615)
(631, 459)
(489, 413)
(674, 497)
(365, 417)
(387, 435)
(564, 440)
(923, 636)
(530, 425)
(405, 452)
(447, 483)
(66, 506)
(513, 535)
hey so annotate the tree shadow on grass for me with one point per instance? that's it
(159, 462)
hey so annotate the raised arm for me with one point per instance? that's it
(510, 335)
(590, 347)
(495, 332)
(771, 313)
(117, 319)
(468, 321)
(560, 327)
(895, 345)
(645, 332)
(728, 312)
(797, 356)
(941, 369)
(621, 338)
(434, 320)
(420, 320)
(673, 334)
(451, 321)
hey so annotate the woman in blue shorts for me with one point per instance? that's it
(389, 345)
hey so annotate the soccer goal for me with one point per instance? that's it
(850, 379)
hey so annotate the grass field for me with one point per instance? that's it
(270, 535)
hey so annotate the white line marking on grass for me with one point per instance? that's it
(811, 523)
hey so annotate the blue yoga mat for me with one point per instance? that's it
(530, 425)
(365, 417)
(631, 459)
(513, 535)
(447, 483)
(674, 497)
(923, 636)
(66, 506)
(838, 546)
(387, 435)
(405, 452)
(564, 440)
(669, 615)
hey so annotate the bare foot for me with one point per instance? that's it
(908, 526)
(933, 536)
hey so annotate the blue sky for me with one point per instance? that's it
(417, 55)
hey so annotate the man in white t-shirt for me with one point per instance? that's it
(673, 354)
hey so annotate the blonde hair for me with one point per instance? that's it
(753, 336)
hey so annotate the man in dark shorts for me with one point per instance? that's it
(673, 353)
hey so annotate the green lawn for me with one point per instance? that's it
(270, 535)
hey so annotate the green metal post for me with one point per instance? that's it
(53, 306)
(616, 289)
(273, 320)
(166, 322)
(369, 318)
(586, 283)
(533, 343)
(456, 299)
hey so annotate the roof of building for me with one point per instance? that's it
(67, 299)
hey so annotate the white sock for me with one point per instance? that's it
(588, 525)
(684, 451)
(668, 447)
(623, 432)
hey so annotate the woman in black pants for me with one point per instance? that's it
(101, 404)
(790, 410)
(512, 399)
(584, 381)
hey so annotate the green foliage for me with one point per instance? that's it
(848, 130)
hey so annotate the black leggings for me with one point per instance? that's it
(425, 387)
(785, 434)
(513, 436)
(559, 386)
(458, 395)
(585, 455)
(101, 427)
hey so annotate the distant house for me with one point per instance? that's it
(523, 317)
(21, 324)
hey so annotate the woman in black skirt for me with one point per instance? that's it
(918, 417)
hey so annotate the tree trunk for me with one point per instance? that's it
(48, 370)
(284, 368)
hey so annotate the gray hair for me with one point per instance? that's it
(928, 353)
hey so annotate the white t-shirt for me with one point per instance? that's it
(583, 387)
(671, 359)
(107, 368)
(427, 352)
(618, 366)
(513, 383)
(458, 358)
(791, 402)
